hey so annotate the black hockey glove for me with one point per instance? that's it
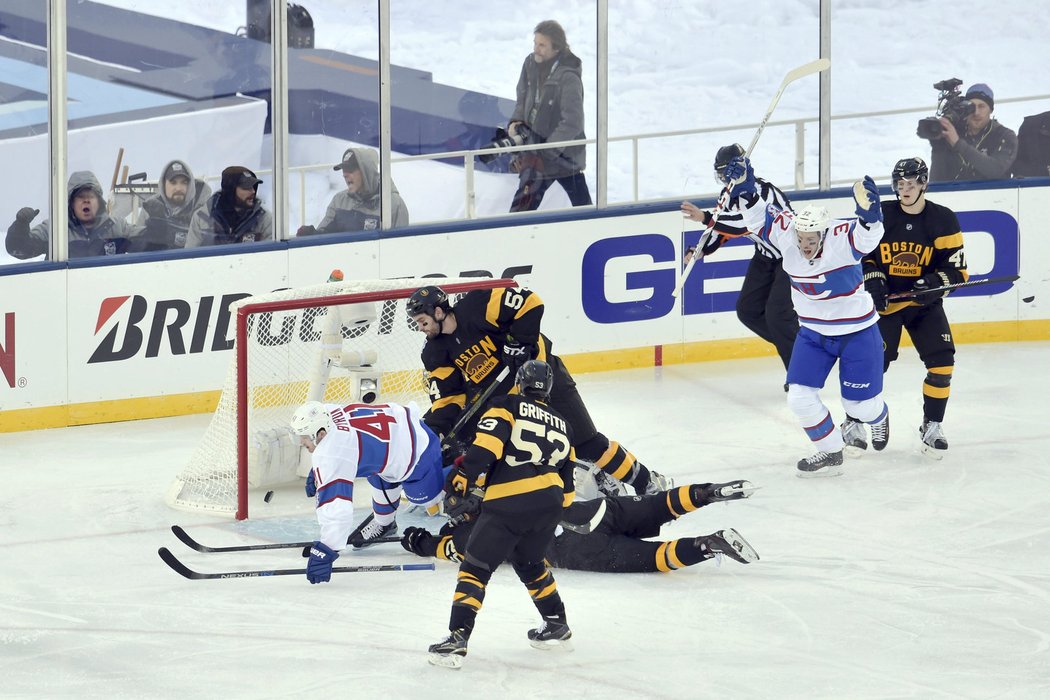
(460, 508)
(451, 450)
(516, 354)
(419, 541)
(926, 282)
(875, 285)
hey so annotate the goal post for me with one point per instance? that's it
(346, 341)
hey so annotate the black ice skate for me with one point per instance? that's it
(371, 532)
(729, 491)
(727, 542)
(880, 432)
(450, 651)
(821, 464)
(934, 444)
(607, 484)
(552, 634)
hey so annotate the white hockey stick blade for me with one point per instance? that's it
(587, 527)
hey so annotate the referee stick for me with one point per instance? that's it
(821, 64)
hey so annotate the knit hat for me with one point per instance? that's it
(981, 91)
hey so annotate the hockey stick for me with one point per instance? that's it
(476, 406)
(949, 287)
(193, 544)
(587, 527)
(183, 570)
(821, 64)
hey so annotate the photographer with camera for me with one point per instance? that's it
(549, 108)
(967, 143)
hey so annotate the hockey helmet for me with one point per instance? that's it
(722, 158)
(911, 169)
(811, 218)
(535, 379)
(425, 299)
(311, 418)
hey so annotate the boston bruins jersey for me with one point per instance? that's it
(915, 245)
(460, 365)
(522, 456)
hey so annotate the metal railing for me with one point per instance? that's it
(799, 124)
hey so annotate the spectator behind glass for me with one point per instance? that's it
(91, 230)
(550, 107)
(169, 211)
(234, 214)
(358, 208)
(986, 150)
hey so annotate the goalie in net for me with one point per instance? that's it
(341, 342)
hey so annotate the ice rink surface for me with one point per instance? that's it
(903, 578)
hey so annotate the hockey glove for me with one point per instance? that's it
(460, 508)
(456, 481)
(516, 354)
(451, 450)
(26, 214)
(875, 285)
(741, 176)
(866, 194)
(420, 542)
(927, 282)
(311, 485)
(319, 568)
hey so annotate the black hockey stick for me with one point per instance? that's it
(193, 544)
(821, 64)
(183, 570)
(949, 287)
(476, 406)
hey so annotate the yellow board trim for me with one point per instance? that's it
(117, 410)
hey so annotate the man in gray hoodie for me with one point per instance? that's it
(92, 231)
(358, 207)
(168, 212)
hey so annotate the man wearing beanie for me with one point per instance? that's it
(985, 151)
(169, 211)
(91, 230)
(234, 214)
(358, 207)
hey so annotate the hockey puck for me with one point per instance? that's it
(268, 496)
(1028, 300)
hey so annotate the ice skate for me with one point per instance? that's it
(658, 483)
(880, 433)
(371, 532)
(608, 485)
(821, 464)
(934, 444)
(727, 542)
(552, 634)
(854, 436)
(729, 491)
(450, 651)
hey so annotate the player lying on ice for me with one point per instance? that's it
(617, 527)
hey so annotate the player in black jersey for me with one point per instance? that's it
(469, 344)
(922, 249)
(764, 305)
(607, 534)
(521, 459)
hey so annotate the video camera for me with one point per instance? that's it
(503, 139)
(951, 105)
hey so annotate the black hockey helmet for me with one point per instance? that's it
(910, 169)
(535, 379)
(724, 155)
(425, 299)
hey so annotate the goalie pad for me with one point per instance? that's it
(273, 457)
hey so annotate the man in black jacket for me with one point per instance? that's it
(986, 150)
(549, 108)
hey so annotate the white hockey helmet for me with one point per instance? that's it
(811, 218)
(311, 418)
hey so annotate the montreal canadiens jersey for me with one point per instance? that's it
(827, 292)
(385, 440)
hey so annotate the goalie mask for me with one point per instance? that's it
(311, 418)
(811, 223)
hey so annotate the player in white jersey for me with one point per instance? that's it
(837, 317)
(389, 445)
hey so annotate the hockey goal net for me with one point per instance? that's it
(339, 342)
